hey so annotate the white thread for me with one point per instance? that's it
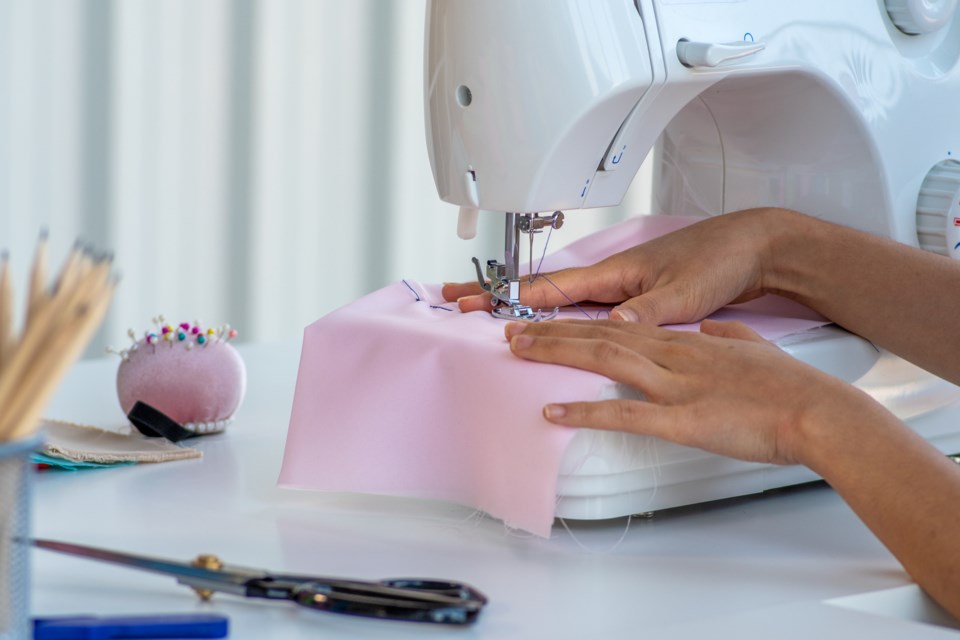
(584, 547)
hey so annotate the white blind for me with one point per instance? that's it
(253, 162)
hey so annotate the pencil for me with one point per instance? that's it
(36, 338)
(54, 329)
(68, 270)
(62, 354)
(58, 327)
(6, 311)
(38, 277)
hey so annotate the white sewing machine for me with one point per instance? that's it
(849, 111)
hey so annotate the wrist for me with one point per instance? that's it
(832, 429)
(789, 245)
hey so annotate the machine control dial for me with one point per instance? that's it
(917, 17)
(938, 210)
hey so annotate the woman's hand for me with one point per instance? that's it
(726, 389)
(680, 277)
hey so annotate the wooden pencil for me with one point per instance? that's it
(48, 340)
(69, 348)
(59, 323)
(35, 341)
(6, 311)
(43, 346)
(69, 269)
(38, 277)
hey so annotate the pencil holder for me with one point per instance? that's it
(15, 481)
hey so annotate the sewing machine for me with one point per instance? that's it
(843, 110)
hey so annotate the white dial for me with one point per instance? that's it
(938, 210)
(916, 17)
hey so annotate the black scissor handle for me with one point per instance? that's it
(441, 587)
(434, 601)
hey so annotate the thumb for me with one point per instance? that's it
(736, 330)
(656, 307)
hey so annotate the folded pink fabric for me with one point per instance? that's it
(399, 393)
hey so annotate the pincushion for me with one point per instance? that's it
(191, 374)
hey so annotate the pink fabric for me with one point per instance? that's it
(405, 397)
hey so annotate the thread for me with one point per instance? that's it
(620, 450)
(420, 299)
(412, 290)
(533, 278)
(610, 549)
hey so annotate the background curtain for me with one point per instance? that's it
(253, 162)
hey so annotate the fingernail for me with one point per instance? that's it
(450, 284)
(554, 411)
(518, 343)
(514, 329)
(623, 313)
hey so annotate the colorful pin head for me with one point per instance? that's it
(190, 335)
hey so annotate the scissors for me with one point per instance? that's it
(411, 599)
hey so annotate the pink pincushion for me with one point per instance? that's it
(195, 378)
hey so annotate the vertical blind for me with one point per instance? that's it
(253, 162)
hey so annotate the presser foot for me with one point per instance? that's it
(523, 312)
(506, 295)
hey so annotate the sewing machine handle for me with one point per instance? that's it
(711, 54)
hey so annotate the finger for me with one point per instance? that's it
(480, 302)
(666, 305)
(452, 291)
(542, 292)
(735, 329)
(630, 416)
(606, 329)
(561, 288)
(605, 357)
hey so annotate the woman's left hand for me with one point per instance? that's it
(725, 389)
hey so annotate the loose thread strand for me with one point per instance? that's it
(539, 275)
(412, 290)
(610, 549)
(419, 299)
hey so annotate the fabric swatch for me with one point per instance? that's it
(80, 443)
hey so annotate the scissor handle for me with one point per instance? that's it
(410, 599)
(457, 590)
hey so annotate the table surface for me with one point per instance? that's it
(778, 564)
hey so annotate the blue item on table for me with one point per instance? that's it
(181, 625)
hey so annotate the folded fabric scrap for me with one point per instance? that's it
(399, 393)
(73, 446)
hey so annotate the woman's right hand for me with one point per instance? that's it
(681, 277)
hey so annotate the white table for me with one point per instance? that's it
(756, 567)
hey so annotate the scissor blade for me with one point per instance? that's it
(186, 573)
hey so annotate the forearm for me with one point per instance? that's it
(902, 488)
(901, 298)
